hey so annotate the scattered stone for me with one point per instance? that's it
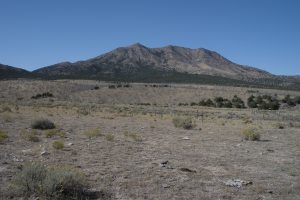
(237, 183)
(70, 144)
(27, 151)
(43, 153)
(164, 163)
(15, 159)
(165, 185)
(186, 138)
(184, 169)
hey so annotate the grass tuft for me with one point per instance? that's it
(58, 144)
(251, 134)
(183, 122)
(91, 133)
(30, 135)
(3, 136)
(110, 137)
(49, 182)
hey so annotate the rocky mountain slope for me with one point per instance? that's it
(137, 63)
(137, 58)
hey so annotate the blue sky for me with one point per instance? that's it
(260, 33)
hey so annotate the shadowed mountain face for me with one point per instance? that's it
(138, 58)
(8, 72)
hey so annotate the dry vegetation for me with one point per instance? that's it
(137, 143)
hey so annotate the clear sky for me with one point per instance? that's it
(260, 33)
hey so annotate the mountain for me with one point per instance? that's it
(9, 72)
(138, 63)
(137, 59)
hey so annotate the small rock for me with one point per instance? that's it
(43, 153)
(186, 138)
(237, 183)
(165, 185)
(164, 163)
(70, 144)
(15, 159)
(184, 169)
(27, 151)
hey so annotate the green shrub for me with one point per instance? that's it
(54, 132)
(251, 134)
(64, 183)
(194, 104)
(30, 135)
(208, 103)
(30, 180)
(92, 132)
(183, 104)
(6, 109)
(279, 126)
(134, 136)
(109, 137)
(43, 124)
(237, 102)
(3, 136)
(183, 122)
(43, 95)
(265, 102)
(49, 183)
(58, 144)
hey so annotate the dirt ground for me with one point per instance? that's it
(139, 154)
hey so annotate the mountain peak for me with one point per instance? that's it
(137, 45)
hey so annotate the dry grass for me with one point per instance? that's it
(183, 122)
(58, 144)
(152, 168)
(94, 132)
(251, 134)
(49, 182)
(30, 135)
(134, 136)
(54, 132)
(109, 137)
(3, 136)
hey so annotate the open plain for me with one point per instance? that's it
(125, 143)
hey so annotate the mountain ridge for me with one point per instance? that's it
(138, 63)
(180, 59)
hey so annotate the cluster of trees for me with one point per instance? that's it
(219, 102)
(264, 102)
(119, 85)
(291, 101)
(157, 85)
(43, 95)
